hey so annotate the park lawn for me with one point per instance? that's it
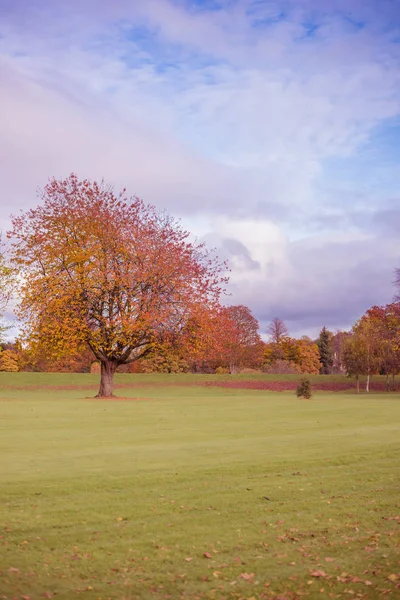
(196, 492)
(86, 379)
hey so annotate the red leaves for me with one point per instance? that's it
(235, 341)
(108, 271)
(318, 573)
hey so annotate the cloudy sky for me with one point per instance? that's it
(272, 128)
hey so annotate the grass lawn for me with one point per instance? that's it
(196, 492)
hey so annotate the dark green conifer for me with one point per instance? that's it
(324, 343)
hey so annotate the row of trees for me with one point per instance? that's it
(373, 345)
(105, 278)
(232, 343)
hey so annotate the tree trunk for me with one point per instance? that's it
(358, 384)
(108, 369)
(387, 381)
(367, 384)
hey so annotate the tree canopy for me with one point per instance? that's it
(108, 271)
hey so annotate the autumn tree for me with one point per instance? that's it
(9, 361)
(363, 350)
(338, 346)
(324, 344)
(386, 321)
(306, 356)
(240, 343)
(275, 352)
(35, 357)
(164, 359)
(107, 271)
(292, 355)
(354, 357)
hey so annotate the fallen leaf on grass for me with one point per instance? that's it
(318, 573)
(188, 559)
(329, 559)
(207, 555)
(393, 577)
(247, 576)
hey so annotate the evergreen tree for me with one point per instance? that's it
(324, 343)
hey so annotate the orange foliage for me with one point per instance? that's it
(236, 341)
(301, 355)
(109, 272)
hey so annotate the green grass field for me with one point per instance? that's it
(183, 491)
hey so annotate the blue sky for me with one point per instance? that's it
(271, 128)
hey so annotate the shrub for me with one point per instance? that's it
(304, 388)
(281, 367)
(222, 371)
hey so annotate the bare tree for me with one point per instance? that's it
(6, 285)
(277, 330)
(397, 284)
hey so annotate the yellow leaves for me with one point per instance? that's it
(393, 577)
(107, 271)
(9, 361)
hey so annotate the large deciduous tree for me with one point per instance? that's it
(108, 271)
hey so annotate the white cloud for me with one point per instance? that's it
(204, 114)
